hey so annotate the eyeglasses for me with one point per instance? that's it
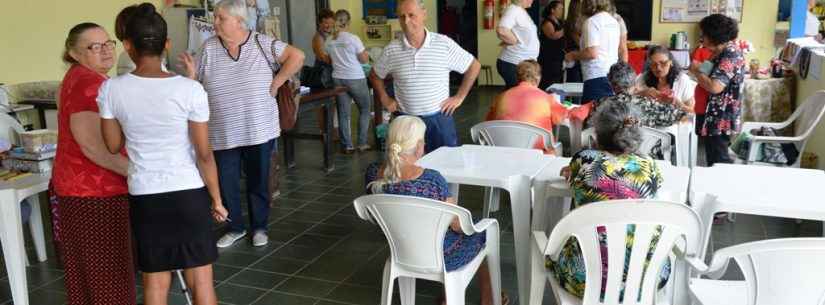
(97, 47)
(660, 63)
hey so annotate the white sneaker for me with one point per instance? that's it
(260, 239)
(230, 238)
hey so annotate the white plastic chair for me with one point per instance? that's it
(512, 134)
(10, 129)
(777, 271)
(685, 142)
(509, 134)
(680, 238)
(415, 229)
(806, 116)
(651, 137)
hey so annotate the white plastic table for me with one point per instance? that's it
(757, 190)
(550, 188)
(567, 89)
(11, 229)
(512, 169)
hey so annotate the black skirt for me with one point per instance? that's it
(173, 230)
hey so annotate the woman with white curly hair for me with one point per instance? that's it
(241, 71)
(399, 175)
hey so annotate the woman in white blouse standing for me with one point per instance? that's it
(347, 53)
(520, 38)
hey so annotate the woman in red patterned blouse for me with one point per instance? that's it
(89, 182)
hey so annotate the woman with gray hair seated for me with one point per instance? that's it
(615, 170)
(653, 114)
(241, 71)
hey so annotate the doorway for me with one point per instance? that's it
(458, 19)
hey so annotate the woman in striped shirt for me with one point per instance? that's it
(236, 69)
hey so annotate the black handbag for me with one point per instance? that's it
(317, 77)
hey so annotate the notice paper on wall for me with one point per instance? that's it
(684, 10)
(199, 31)
(687, 11)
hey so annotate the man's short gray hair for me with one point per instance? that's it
(617, 126)
(235, 8)
(621, 77)
(419, 2)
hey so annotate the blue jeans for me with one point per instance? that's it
(356, 89)
(595, 89)
(255, 160)
(440, 131)
(508, 72)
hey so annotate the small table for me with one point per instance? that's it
(768, 100)
(325, 99)
(567, 89)
(512, 169)
(11, 229)
(757, 190)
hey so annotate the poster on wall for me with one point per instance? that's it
(687, 11)
(731, 8)
(380, 8)
(676, 11)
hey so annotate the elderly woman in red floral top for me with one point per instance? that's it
(89, 182)
(723, 81)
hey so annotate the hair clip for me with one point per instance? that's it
(630, 121)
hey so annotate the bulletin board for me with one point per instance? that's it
(380, 8)
(689, 11)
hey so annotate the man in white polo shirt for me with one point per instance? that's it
(420, 64)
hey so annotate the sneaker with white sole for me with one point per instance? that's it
(230, 238)
(260, 239)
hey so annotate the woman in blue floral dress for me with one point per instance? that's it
(723, 77)
(614, 171)
(399, 175)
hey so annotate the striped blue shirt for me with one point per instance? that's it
(421, 77)
(243, 112)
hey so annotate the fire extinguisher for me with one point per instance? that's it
(489, 14)
(502, 6)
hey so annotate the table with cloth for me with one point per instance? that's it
(768, 100)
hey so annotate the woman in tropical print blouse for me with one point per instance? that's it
(613, 171)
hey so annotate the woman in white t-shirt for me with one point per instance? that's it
(162, 119)
(124, 63)
(600, 40)
(347, 53)
(623, 54)
(664, 81)
(520, 37)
